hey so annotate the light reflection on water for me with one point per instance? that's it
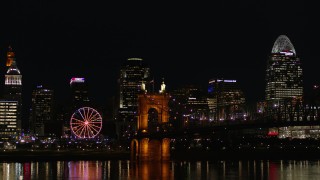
(273, 170)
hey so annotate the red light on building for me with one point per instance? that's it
(272, 133)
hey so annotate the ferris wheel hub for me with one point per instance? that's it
(86, 122)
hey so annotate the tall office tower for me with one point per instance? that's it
(13, 88)
(79, 93)
(284, 72)
(284, 87)
(133, 73)
(226, 100)
(8, 119)
(42, 107)
(10, 57)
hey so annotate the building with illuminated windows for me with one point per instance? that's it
(79, 92)
(8, 119)
(188, 107)
(225, 99)
(196, 105)
(133, 73)
(284, 87)
(13, 86)
(284, 72)
(41, 111)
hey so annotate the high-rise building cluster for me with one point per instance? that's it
(190, 106)
(43, 120)
(221, 100)
(224, 100)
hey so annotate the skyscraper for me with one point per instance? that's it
(284, 87)
(79, 92)
(13, 86)
(132, 75)
(42, 107)
(284, 72)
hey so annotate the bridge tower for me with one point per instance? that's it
(151, 142)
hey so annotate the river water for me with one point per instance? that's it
(81, 170)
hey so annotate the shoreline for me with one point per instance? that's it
(247, 155)
(72, 155)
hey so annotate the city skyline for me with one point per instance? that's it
(231, 41)
(134, 90)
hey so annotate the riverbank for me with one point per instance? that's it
(247, 155)
(189, 155)
(49, 155)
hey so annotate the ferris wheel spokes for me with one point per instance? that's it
(86, 122)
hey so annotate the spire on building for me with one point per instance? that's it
(143, 86)
(13, 68)
(10, 56)
(13, 85)
(163, 87)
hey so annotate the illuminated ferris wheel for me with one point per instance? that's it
(86, 122)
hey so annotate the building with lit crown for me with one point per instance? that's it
(284, 88)
(79, 92)
(13, 86)
(10, 56)
(284, 72)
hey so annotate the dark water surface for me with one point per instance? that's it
(253, 169)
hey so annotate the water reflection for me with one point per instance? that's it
(83, 169)
(256, 169)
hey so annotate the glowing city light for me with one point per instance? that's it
(76, 80)
(86, 122)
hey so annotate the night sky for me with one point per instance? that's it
(185, 43)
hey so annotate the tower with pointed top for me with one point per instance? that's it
(13, 85)
(10, 56)
(162, 87)
(284, 72)
(284, 88)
